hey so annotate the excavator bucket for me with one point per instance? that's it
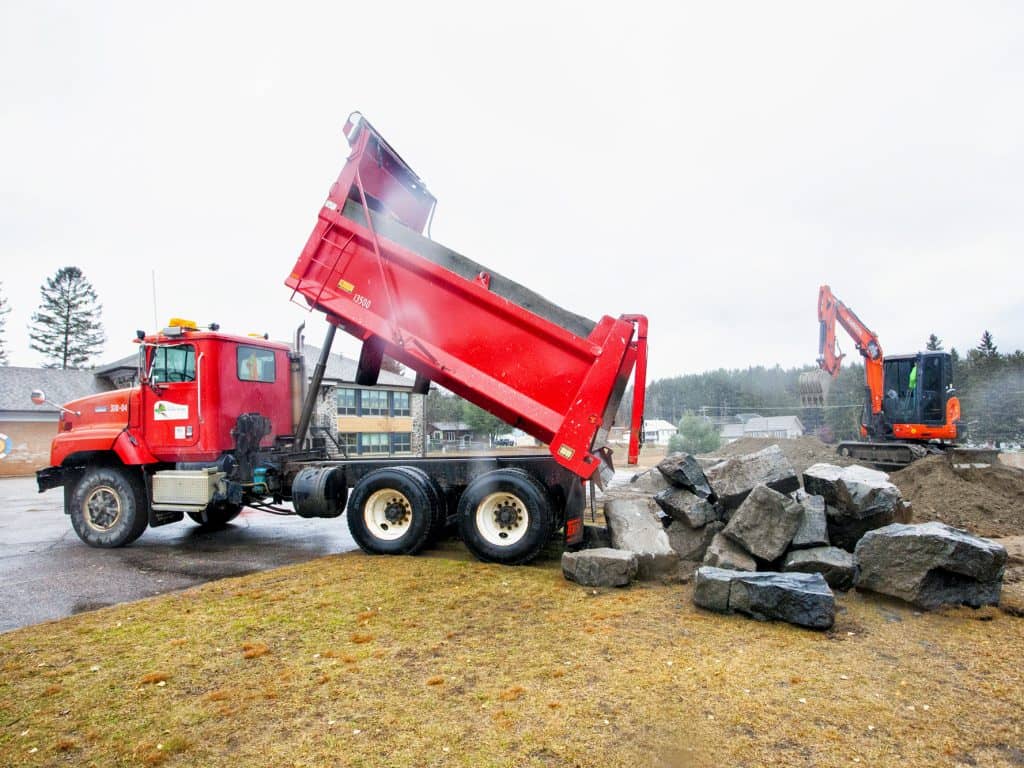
(814, 386)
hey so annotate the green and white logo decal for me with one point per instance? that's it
(164, 410)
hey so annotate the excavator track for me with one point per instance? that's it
(886, 455)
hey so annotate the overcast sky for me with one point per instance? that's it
(707, 164)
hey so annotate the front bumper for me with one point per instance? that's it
(50, 477)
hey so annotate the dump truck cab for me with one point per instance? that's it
(193, 386)
(196, 383)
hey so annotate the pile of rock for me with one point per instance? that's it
(749, 514)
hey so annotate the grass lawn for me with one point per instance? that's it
(442, 661)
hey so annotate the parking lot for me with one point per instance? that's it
(47, 573)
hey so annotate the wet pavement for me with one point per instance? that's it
(46, 572)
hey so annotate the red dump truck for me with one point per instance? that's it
(218, 422)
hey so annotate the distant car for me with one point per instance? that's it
(504, 442)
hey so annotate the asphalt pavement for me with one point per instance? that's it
(46, 572)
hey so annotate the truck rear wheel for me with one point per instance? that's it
(438, 509)
(505, 516)
(216, 515)
(390, 513)
(108, 507)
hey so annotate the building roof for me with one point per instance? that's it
(451, 426)
(341, 369)
(762, 424)
(732, 430)
(773, 423)
(60, 386)
(658, 425)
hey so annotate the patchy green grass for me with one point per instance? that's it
(443, 661)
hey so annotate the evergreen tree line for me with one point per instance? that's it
(990, 386)
(66, 328)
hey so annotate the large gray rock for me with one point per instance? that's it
(765, 523)
(686, 507)
(821, 479)
(930, 565)
(723, 553)
(684, 471)
(798, 598)
(855, 486)
(692, 543)
(649, 482)
(866, 492)
(711, 588)
(733, 479)
(600, 567)
(845, 529)
(813, 529)
(835, 564)
(857, 500)
(634, 526)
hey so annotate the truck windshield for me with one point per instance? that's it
(173, 364)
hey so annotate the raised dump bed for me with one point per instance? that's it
(368, 266)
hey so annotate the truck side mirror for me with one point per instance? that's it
(38, 397)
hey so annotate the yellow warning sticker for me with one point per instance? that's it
(346, 286)
(566, 452)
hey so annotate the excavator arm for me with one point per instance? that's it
(830, 311)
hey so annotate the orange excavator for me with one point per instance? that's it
(911, 408)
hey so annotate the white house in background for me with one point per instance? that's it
(763, 426)
(522, 440)
(658, 431)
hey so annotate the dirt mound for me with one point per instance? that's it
(802, 452)
(988, 501)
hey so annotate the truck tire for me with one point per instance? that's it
(216, 516)
(390, 513)
(506, 516)
(438, 508)
(108, 507)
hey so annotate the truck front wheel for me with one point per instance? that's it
(108, 507)
(505, 516)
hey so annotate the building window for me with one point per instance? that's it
(374, 442)
(374, 402)
(401, 404)
(346, 400)
(349, 441)
(401, 442)
(255, 364)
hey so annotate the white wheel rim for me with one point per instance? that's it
(387, 514)
(502, 519)
(102, 508)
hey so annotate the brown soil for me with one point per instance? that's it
(802, 452)
(986, 501)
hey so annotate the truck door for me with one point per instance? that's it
(170, 408)
(933, 400)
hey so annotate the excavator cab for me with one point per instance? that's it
(917, 387)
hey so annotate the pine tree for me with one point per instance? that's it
(987, 347)
(67, 329)
(934, 343)
(4, 310)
